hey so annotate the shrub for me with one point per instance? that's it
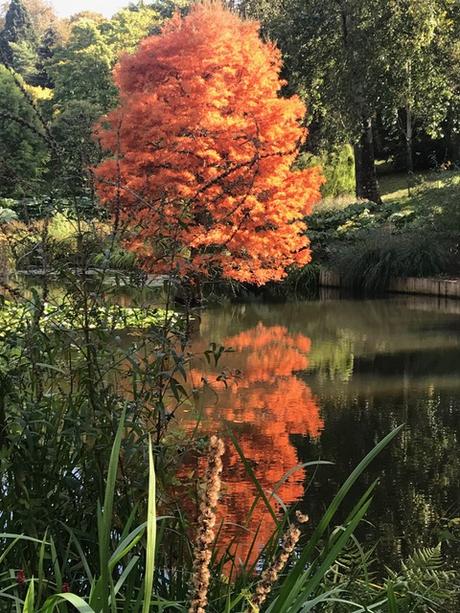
(338, 168)
(369, 264)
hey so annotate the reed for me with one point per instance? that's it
(206, 524)
(271, 574)
(141, 575)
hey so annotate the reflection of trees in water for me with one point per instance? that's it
(334, 360)
(344, 329)
(404, 355)
(419, 473)
(265, 407)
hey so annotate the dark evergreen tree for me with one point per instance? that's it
(45, 53)
(18, 30)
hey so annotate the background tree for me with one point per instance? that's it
(167, 8)
(452, 122)
(203, 147)
(128, 27)
(331, 52)
(419, 43)
(17, 30)
(23, 151)
(81, 69)
(41, 12)
(45, 53)
(358, 62)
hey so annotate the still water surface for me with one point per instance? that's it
(327, 380)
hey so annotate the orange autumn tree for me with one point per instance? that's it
(202, 151)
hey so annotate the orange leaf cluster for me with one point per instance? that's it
(203, 147)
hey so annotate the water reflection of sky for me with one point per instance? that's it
(328, 380)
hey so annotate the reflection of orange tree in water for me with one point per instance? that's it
(266, 405)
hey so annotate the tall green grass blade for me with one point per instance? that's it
(100, 597)
(391, 599)
(127, 528)
(29, 602)
(336, 548)
(124, 575)
(322, 598)
(83, 560)
(9, 548)
(294, 469)
(56, 567)
(125, 546)
(10, 535)
(253, 477)
(151, 535)
(294, 581)
(41, 577)
(361, 501)
(80, 605)
(307, 583)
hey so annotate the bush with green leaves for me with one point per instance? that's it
(411, 236)
(338, 168)
(23, 152)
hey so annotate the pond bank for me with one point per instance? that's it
(446, 288)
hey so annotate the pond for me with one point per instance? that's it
(327, 380)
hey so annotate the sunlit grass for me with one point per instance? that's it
(434, 186)
(427, 187)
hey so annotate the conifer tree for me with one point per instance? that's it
(45, 54)
(18, 30)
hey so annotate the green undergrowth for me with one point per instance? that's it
(146, 564)
(15, 316)
(411, 234)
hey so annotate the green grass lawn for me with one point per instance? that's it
(437, 187)
(428, 190)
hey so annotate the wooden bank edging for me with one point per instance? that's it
(446, 288)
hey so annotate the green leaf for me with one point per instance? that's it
(294, 582)
(73, 599)
(126, 545)
(100, 596)
(151, 534)
(29, 602)
(254, 479)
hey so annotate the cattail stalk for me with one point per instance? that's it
(206, 524)
(270, 575)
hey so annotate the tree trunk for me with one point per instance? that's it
(452, 139)
(409, 140)
(409, 130)
(366, 176)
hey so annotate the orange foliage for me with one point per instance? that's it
(203, 148)
(266, 407)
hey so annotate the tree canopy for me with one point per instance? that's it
(380, 76)
(203, 146)
(367, 67)
(17, 30)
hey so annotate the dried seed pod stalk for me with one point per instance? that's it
(206, 524)
(270, 575)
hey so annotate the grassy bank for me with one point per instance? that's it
(414, 232)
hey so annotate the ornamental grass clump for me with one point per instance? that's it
(206, 523)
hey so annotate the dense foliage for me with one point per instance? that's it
(203, 146)
(381, 75)
(412, 235)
